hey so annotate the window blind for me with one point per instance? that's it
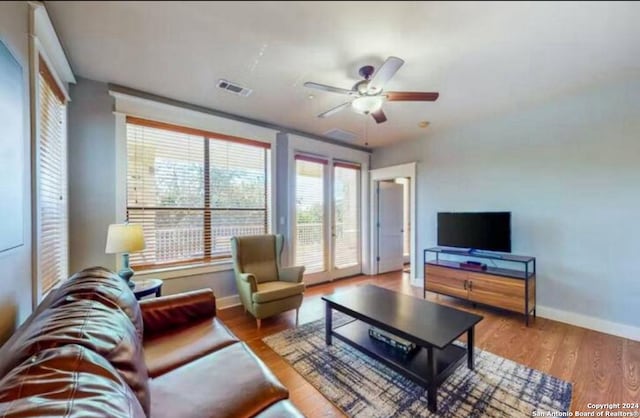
(346, 214)
(192, 190)
(51, 158)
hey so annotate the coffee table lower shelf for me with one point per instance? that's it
(414, 366)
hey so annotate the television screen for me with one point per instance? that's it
(490, 231)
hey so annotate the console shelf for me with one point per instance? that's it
(513, 289)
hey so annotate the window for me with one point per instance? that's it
(51, 156)
(192, 190)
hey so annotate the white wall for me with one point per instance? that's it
(569, 171)
(16, 290)
(91, 174)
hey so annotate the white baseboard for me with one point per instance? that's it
(590, 322)
(228, 302)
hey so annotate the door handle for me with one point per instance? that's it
(470, 286)
(465, 285)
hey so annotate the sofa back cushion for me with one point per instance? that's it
(100, 284)
(100, 326)
(69, 381)
(257, 255)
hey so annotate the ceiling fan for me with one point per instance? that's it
(368, 95)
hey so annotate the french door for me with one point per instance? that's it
(327, 233)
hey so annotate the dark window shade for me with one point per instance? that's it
(192, 192)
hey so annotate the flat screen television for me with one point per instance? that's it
(489, 231)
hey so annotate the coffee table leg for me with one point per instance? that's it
(327, 323)
(432, 390)
(470, 344)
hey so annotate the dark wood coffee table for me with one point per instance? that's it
(432, 327)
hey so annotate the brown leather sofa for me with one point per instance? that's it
(91, 350)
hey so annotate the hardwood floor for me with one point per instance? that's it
(602, 368)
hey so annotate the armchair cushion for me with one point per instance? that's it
(270, 291)
(257, 255)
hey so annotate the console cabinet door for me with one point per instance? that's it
(446, 281)
(497, 291)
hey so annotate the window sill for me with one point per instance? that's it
(179, 272)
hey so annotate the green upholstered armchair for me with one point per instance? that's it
(265, 287)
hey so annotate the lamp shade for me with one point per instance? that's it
(124, 238)
(367, 104)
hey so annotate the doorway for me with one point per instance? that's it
(403, 177)
(406, 222)
(389, 226)
(327, 233)
(394, 225)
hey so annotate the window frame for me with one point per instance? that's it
(44, 72)
(196, 266)
(46, 52)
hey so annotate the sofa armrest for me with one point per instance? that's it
(167, 312)
(291, 274)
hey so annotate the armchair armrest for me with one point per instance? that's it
(166, 312)
(291, 274)
(250, 279)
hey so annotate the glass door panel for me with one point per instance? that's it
(346, 204)
(310, 245)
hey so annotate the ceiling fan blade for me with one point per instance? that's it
(324, 87)
(411, 96)
(384, 74)
(379, 116)
(334, 110)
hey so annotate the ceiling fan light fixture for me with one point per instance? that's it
(367, 104)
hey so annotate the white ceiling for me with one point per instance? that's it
(483, 58)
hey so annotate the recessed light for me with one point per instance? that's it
(311, 96)
(424, 124)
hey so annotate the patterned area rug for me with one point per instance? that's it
(363, 387)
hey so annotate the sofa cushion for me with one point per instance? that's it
(174, 348)
(230, 382)
(103, 329)
(270, 291)
(257, 255)
(100, 284)
(96, 283)
(69, 381)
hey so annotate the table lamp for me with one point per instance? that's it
(124, 239)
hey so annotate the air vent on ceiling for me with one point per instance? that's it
(234, 88)
(341, 135)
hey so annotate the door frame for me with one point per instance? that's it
(390, 173)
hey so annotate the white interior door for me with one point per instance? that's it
(390, 226)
